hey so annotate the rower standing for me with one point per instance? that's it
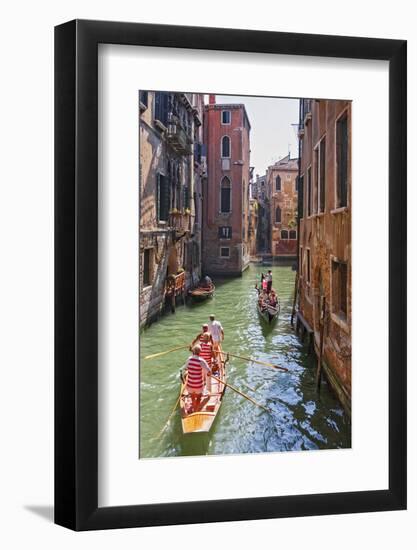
(216, 331)
(198, 339)
(207, 353)
(269, 281)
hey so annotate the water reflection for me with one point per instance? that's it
(299, 418)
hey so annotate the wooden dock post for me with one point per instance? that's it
(320, 357)
(295, 299)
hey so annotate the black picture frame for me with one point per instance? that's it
(76, 272)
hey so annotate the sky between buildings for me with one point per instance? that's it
(272, 133)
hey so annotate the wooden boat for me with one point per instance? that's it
(201, 293)
(268, 313)
(202, 420)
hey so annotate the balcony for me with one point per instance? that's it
(178, 138)
(175, 284)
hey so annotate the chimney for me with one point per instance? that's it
(212, 99)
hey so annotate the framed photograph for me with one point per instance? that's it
(230, 338)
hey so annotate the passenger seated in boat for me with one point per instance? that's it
(198, 339)
(205, 282)
(197, 373)
(215, 367)
(273, 299)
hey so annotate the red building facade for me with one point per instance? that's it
(225, 234)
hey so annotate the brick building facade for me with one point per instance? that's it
(325, 280)
(282, 182)
(226, 191)
(172, 167)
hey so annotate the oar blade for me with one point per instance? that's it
(164, 352)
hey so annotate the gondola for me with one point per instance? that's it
(202, 293)
(268, 313)
(202, 420)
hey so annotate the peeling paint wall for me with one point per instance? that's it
(325, 238)
(171, 246)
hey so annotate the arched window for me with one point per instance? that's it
(278, 215)
(278, 183)
(284, 234)
(225, 195)
(225, 147)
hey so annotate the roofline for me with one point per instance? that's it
(230, 106)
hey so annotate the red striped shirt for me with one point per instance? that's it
(195, 365)
(206, 352)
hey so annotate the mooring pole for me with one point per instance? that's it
(295, 298)
(319, 360)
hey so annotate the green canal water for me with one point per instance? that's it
(300, 419)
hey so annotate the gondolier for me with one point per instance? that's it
(206, 282)
(205, 289)
(269, 281)
(198, 372)
(216, 330)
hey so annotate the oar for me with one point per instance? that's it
(172, 412)
(169, 417)
(241, 393)
(256, 361)
(165, 352)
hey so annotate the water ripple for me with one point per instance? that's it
(299, 418)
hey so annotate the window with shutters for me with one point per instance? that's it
(147, 267)
(301, 196)
(320, 176)
(278, 215)
(278, 183)
(339, 288)
(225, 232)
(161, 107)
(163, 197)
(315, 192)
(342, 154)
(225, 196)
(225, 147)
(226, 118)
(309, 193)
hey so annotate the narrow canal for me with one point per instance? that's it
(300, 419)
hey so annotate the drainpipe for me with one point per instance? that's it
(298, 200)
